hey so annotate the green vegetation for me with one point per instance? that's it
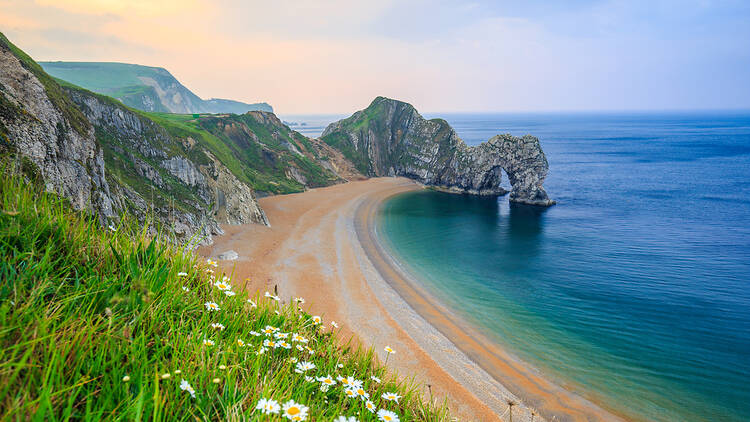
(100, 324)
(55, 93)
(128, 83)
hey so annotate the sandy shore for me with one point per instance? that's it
(322, 246)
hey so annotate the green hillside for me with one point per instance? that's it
(143, 87)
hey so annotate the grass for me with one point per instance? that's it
(84, 308)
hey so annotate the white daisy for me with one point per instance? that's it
(218, 326)
(350, 382)
(370, 406)
(269, 330)
(345, 419)
(317, 319)
(254, 333)
(222, 285)
(207, 342)
(185, 288)
(185, 386)
(387, 416)
(280, 335)
(299, 300)
(333, 323)
(212, 306)
(285, 345)
(270, 296)
(361, 393)
(350, 393)
(229, 293)
(126, 378)
(327, 380)
(212, 263)
(389, 350)
(182, 274)
(165, 376)
(299, 347)
(391, 397)
(304, 367)
(240, 343)
(252, 304)
(270, 343)
(376, 379)
(268, 406)
(299, 338)
(295, 411)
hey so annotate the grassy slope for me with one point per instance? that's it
(81, 308)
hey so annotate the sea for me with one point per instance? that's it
(634, 290)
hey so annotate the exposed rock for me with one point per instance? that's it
(390, 138)
(229, 255)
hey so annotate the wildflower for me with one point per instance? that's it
(240, 343)
(270, 296)
(261, 351)
(185, 386)
(389, 350)
(212, 306)
(280, 335)
(165, 376)
(178, 372)
(370, 406)
(252, 304)
(309, 378)
(350, 382)
(269, 330)
(340, 365)
(295, 411)
(210, 271)
(293, 360)
(216, 380)
(345, 419)
(222, 367)
(212, 263)
(277, 312)
(229, 293)
(218, 326)
(317, 320)
(268, 406)
(376, 379)
(299, 300)
(334, 325)
(221, 285)
(182, 274)
(185, 289)
(387, 416)
(299, 347)
(361, 393)
(208, 342)
(126, 378)
(304, 367)
(327, 380)
(391, 397)
(299, 338)
(112, 228)
(285, 345)
(254, 333)
(350, 393)
(270, 343)
(309, 350)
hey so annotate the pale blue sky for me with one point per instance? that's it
(335, 56)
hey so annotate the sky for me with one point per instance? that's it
(335, 56)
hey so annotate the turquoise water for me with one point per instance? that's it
(635, 289)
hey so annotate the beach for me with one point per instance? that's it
(322, 245)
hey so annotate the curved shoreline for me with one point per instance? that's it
(322, 246)
(522, 384)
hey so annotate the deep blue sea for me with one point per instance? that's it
(634, 290)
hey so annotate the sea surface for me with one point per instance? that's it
(634, 290)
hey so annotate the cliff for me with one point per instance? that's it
(187, 173)
(390, 138)
(143, 87)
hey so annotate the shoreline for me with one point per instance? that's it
(323, 245)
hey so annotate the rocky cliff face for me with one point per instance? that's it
(189, 174)
(390, 138)
(40, 123)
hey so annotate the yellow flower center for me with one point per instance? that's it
(361, 392)
(387, 417)
(293, 410)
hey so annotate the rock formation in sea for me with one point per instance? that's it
(390, 138)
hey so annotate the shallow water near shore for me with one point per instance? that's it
(635, 289)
